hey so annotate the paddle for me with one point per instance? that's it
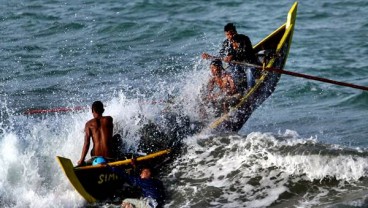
(295, 74)
(79, 108)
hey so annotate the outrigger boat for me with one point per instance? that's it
(272, 52)
(97, 183)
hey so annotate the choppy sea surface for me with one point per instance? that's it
(306, 146)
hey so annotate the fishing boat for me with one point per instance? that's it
(272, 52)
(98, 183)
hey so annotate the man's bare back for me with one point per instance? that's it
(100, 129)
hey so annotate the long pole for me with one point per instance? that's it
(295, 74)
(54, 110)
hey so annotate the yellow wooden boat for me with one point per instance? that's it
(98, 183)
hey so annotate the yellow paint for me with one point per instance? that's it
(107, 177)
(68, 169)
(128, 161)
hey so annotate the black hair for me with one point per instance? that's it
(229, 27)
(216, 62)
(97, 107)
(149, 167)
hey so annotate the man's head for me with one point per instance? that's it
(216, 67)
(146, 173)
(230, 31)
(97, 107)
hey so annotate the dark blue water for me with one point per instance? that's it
(306, 146)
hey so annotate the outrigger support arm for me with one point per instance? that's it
(295, 74)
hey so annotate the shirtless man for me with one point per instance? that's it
(227, 93)
(221, 79)
(100, 128)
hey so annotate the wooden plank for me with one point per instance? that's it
(128, 161)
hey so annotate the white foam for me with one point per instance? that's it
(254, 171)
(30, 175)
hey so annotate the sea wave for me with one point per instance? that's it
(260, 169)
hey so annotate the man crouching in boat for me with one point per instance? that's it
(100, 128)
(221, 89)
(242, 53)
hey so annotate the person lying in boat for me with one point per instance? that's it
(243, 53)
(226, 47)
(100, 129)
(222, 92)
(153, 192)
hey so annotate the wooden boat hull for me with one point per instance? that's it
(279, 43)
(97, 183)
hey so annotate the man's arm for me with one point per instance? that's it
(111, 125)
(121, 173)
(210, 88)
(87, 137)
(224, 50)
(225, 47)
(210, 85)
(228, 58)
(208, 56)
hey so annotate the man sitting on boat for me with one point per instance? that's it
(241, 55)
(222, 92)
(100, 129)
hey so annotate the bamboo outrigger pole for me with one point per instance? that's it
(295, 74)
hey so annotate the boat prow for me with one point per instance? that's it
(68, 169)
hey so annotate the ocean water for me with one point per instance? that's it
(306, 146)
